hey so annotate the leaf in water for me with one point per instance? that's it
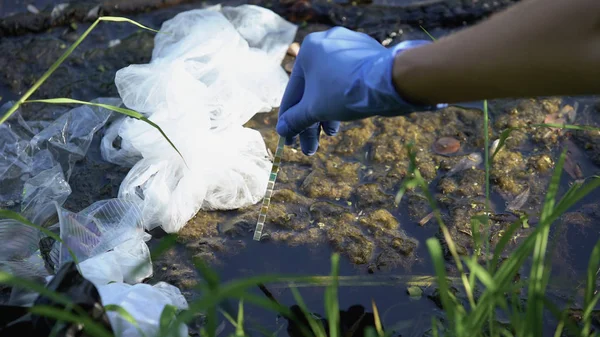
(426, 219)
(519, 201)
(471, 161)
(570, 112)
(414, 291)
(554, 119)
(572, 166)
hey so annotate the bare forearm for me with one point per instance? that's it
(535, 48)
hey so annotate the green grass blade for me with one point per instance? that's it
(331, 298)
(482, 275)
(126, 316)
(93, 328)
(502, 140)
(578, 193)
(378, 325)
(15, 281)
(239, 328)
(61, 59)
(534, 312)
(426, 32)
(437, 257)
(590, 299)
(317, 328)
(229, 318)
(167, 316)
(124, 111)
(561, 315)
(120, 19)
(504, 240)
(49, 72)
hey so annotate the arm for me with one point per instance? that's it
(534, 48)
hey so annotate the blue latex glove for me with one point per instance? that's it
(339, 75)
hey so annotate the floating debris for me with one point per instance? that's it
(565, 115)
(59, 9)
(294, 49)
(570, 112)
(469, 162)
(33, 9)
(494, 146)
(414, 291)
(519, 201)
(446, 145)
(426, 219)
(571, 165)
(93, 13)
(114, 43)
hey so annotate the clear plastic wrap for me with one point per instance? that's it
(210, 72)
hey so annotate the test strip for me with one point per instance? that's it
(262, 216)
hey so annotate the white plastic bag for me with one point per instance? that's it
(145, 303)
(210, 72)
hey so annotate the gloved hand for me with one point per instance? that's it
(339, 75)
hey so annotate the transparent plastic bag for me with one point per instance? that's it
(15, 159)
(35, 168)
(40, 191)
(266, 36)
(99, 228)
(128, 262)
(145, 303)
(69, 137)
(208, 76)
(115, 149)
(19, 251)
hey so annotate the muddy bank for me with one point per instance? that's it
(355, 15)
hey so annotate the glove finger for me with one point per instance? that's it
(331, 128)
(309, 139)
(293, 91)
(289, 141)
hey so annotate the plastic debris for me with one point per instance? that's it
(145, 303)
(19, 252)
(35, 167)
(58, 10)
(69, 137)
(471, 161)
(32, 9)
(214, 70)
(208, 76)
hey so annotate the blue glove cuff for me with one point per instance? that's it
(380, 95)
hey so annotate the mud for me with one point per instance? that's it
(359, 15)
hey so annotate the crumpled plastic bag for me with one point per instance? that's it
(108, 239)
(145, 303)
(210, 72)
(19, 251)
(128, 262)
(35, 167)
